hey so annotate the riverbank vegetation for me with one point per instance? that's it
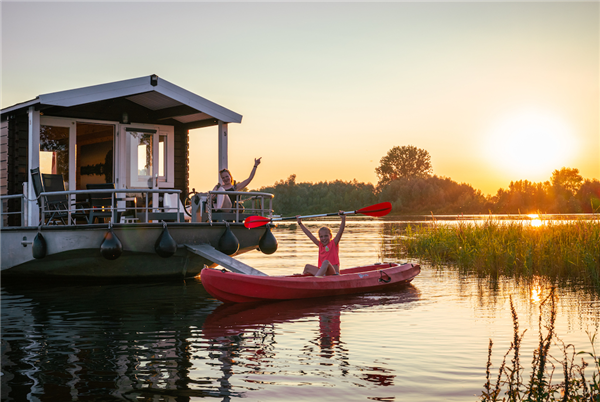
(552, 377)
(293, 198)
(434, 194)
(567, 249)
(405, 179)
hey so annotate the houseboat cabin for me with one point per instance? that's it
(112, 158)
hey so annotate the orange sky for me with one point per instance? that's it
(493, 91)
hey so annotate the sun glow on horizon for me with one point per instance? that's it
(535, 220)
(530, 144)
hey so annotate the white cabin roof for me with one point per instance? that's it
(164, 99)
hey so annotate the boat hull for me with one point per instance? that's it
(231, 287)
(73, 252)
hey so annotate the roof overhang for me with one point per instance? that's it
(155, 98)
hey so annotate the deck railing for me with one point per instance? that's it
(125, 207)
(245, 203)
(4, 213)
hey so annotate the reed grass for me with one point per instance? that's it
(572, 386)
(561, 249)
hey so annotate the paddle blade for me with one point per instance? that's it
(380, 209)
(256, 221)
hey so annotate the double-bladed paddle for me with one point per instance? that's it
(380, 209)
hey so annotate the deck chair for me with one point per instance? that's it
(57, 206)
(36, 179)
(101, 202)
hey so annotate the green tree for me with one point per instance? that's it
(404, 162)
(567, 178)
(433, 194)
(293, 198)
(589, 196)
(522, 196)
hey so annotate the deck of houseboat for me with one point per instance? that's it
(130, 238)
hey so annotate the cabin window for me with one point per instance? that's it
(141, 158)
(54, 151)
(150, 153)
(162, 149)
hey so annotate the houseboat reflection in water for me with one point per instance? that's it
(169, 340)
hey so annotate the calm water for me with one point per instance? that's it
(172, 342)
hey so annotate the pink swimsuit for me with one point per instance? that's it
(330, 252)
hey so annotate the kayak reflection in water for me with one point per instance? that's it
(329, 250)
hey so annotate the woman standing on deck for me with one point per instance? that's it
(228, 184)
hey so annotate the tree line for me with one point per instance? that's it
(406, 181)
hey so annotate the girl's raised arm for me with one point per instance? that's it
(306, 231)
(340, 232)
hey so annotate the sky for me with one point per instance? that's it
(495, 92)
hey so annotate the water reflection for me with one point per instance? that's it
(247, 334)
(172, 342)
(237, 319)
(168, 342)
(536, 291)
(117, 341)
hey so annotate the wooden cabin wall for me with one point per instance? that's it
(181, 154)
(3, 157)
(4, 166)
(14, 159)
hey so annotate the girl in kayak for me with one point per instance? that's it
(329, 259)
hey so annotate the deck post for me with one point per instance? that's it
(33, 159)
(223, 162)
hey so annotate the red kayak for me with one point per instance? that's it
(231, 287)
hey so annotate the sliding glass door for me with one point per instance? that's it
(95, 154)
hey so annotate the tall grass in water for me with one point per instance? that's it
(565, 249)
(572, 384)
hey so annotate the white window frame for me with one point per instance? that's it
(71, 125)
(129, 157)
(122, 150)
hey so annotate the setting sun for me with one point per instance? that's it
(530, 144)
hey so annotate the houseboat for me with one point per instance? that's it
(95, 185)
